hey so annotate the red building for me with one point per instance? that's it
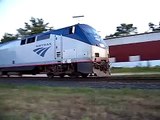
(135, 48)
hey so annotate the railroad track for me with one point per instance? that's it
(114, 82)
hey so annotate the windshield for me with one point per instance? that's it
(93, 34)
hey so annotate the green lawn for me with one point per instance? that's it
(50, 103)
(135, 70)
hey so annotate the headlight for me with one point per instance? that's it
(102, 45)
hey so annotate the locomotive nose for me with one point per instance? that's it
(102, 68)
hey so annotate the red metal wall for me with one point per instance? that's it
(146, 50)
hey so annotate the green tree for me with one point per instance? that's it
(8, 37)
(123, 30)
(153, 27)
(35, 26)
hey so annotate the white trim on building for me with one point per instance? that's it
(133, 39)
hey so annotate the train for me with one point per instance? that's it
(76, 50)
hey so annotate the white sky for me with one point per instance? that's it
(103, 15)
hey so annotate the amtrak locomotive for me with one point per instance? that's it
(76, 50)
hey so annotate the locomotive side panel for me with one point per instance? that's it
(79, 54)
(8, 57)
(35, 53)
(76, 50)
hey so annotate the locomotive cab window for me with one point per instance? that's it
(43, 37)
(72, 30)
(23, 41)
(31, 40)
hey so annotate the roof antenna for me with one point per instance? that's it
(78, 17)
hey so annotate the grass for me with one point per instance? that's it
(135, 70)
(50, 103)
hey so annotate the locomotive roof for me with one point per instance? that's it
(83, 32)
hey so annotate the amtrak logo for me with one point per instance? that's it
(41, 51)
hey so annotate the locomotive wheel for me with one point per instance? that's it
(50, 75)
(20, 74)
(6, 74)
(74, 75)
(62, 75)
(84, 75)
(1, 74)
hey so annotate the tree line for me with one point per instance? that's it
(37, 25)
(128, 29)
